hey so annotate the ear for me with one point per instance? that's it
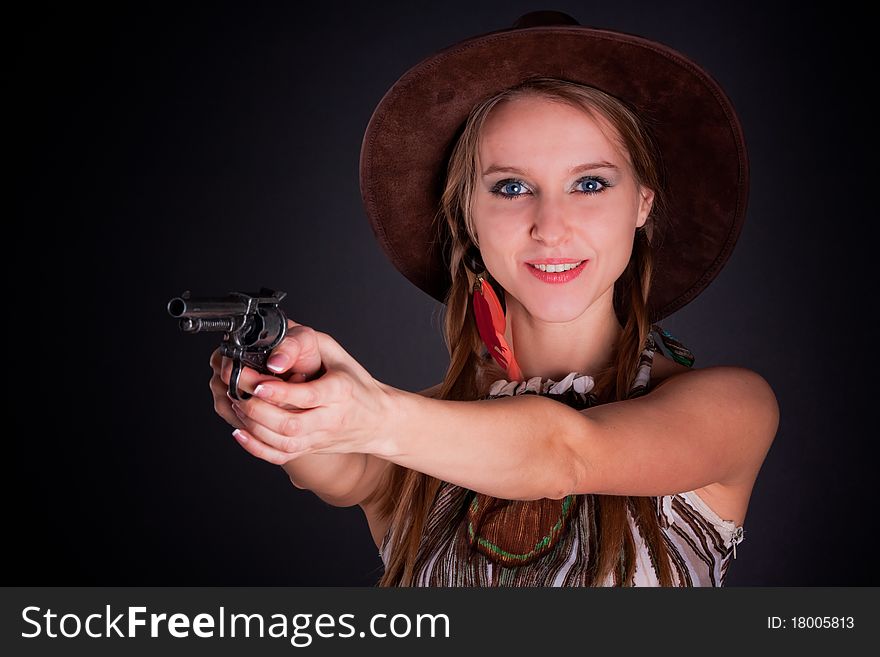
(646, 201)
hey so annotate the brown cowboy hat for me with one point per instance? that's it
(411, 133)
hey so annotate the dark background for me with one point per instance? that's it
(158, 148)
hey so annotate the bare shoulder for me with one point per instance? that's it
(732, 387)
(376, 478)
(719, 384)
(755, 406)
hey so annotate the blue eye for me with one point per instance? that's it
(517, 185)
(595, 185)
(512, 183)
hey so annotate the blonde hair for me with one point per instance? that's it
(406, 496)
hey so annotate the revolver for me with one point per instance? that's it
(253, 325)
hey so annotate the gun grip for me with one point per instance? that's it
(234, 392)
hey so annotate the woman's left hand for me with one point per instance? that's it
(345, 410)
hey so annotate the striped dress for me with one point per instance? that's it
(701, 543)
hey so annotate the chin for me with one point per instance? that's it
(558, 312)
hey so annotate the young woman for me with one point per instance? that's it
(517, 177)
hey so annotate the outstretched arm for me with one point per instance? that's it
(331, 434)
(706, 426)
(713, 425)
(510, 448)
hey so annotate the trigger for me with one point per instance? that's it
(234, 392)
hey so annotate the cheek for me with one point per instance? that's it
(612, 231)
(497, 242)
(491, 223)
(618, 252)
(498, 256)
(610, 244)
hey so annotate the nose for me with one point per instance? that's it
(550, 223)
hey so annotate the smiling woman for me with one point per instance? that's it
(560, 231)
(591, 186)
(557, 215)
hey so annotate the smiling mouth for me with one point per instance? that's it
(567, 272)
(556, 268)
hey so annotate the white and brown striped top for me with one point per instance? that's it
(700, 542)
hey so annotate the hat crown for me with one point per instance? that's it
(544, 18)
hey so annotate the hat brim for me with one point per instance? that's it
(411, 133)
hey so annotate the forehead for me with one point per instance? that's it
(542, 130)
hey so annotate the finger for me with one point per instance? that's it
(261, 450)
(222, 403)
(226, 368)
(288, 422)
(216, 361)
(286, 444)
(303, 431)
(247, 380)
(298, 353)
(304, 395)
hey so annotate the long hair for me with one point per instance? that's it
(405, 495)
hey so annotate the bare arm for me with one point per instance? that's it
(702, 427)
(509, 448)
(329, 476)
(341, 479)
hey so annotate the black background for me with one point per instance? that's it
(158, 148)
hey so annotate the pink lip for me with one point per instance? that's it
(553, 261)
(557, 277)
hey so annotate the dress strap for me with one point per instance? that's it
(676, 350)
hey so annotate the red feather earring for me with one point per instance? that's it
(491, 323)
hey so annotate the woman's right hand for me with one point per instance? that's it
(307, 365)
(298, 358)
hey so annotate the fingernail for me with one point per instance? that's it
(239, 436)
(263, 391)
(277, 362)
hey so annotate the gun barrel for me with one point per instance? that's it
(206, 307)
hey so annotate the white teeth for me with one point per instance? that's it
(557, 268)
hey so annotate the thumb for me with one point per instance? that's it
(298, 353)
(335, 357)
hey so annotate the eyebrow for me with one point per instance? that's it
(575, 169)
